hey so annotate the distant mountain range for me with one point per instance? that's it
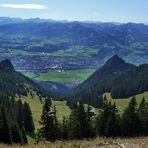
(117, 77)
(47, 45)
(8, 20)
(99, 41)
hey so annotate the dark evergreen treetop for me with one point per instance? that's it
(12, 121)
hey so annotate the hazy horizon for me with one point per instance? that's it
(66, 20)
(84, 10)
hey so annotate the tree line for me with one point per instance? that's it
(15, 121)
(84, 123)
(137, 80)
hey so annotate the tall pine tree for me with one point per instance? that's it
(108, 121)
(28, 120)
(143, 115)
(113, 122)
(49, 130)
(130, 122)
(5, 131)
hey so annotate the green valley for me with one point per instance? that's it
(73, 84)
(66, 77)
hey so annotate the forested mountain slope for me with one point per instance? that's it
(16, 120)
(101, 81)
(116, 76)
(13, 83)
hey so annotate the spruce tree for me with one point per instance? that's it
(82, 120)
(77, 127)
(16, 134)
(56, 126)
(102, 118)
(89, 128)
(24, 136)
(20, 114)
(73, 124)
(45, 121)
(48, 122)
(113, 122)
(64, 128)
(1, 126)
(108, 121)
(11, 126)
(6, 131)
(28, 120)
(130, 122)
(143, 115)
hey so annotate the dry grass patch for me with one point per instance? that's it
(98, 142)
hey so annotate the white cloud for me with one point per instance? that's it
(24, 6)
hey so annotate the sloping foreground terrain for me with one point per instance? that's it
(95, 143)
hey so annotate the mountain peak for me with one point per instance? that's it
(6, 65)
(116, 64)
(115, 60)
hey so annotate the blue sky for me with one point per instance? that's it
(81, 10)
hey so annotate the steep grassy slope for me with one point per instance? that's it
(36, 108)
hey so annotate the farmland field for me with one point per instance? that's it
(66, 77)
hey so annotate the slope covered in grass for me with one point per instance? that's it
(36, 108)
(64, 110)
(122, 103)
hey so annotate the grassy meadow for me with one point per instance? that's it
(122, 103)
(64, 110)
(36, 108)
(66, 77)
